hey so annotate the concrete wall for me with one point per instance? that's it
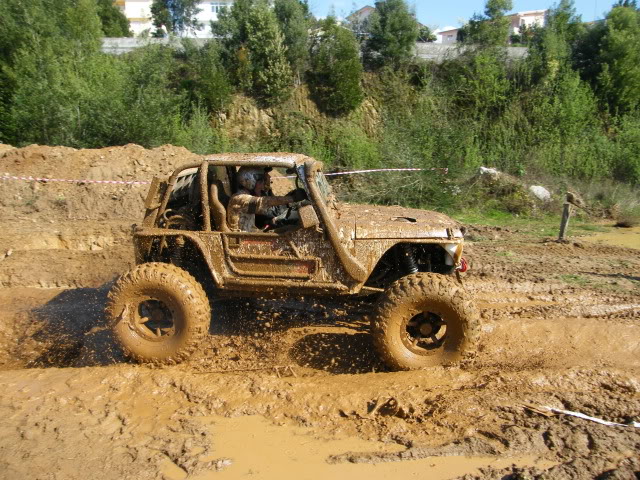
(439, 52)
(429, 51)
(118, 46)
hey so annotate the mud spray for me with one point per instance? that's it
(292, 389)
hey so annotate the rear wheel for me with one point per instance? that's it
(159, 313)
(423, 320)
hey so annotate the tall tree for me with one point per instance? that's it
(336, 71)
(619, 81)
(490, 29)
(272, 76)
(43, 44)
(177, 16)
(393, 31)
(425, 34)
(114, 22)
(254, 50)
(293, 17)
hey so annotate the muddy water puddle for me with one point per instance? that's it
(621, 237)
(252, 446)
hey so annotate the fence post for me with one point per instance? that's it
(564, 223)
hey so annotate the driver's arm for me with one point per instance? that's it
(261, 205)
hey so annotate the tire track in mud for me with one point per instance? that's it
(543, 342)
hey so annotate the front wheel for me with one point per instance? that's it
(423, 320)
(159, 313)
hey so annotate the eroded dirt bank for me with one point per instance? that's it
(292, 388)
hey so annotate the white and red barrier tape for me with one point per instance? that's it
(43, 179)
(375, 170)
(142, 182)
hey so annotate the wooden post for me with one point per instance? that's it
(564, 223)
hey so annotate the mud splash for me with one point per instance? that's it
(279, 385)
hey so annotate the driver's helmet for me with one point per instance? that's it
(249, 176)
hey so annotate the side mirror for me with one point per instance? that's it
(308, 217)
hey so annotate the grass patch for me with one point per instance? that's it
(545, 226)
(590, 227)
(575, 279)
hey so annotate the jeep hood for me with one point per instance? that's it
(372, 221)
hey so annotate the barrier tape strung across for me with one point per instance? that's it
(142, 182)
(39, 179)
(375, 170)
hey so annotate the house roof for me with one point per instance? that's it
(362, 13)
(528, 13)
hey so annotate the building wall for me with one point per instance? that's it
(537, 17)
(138, 12)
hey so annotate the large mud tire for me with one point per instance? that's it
(421, 296)
(171, 294)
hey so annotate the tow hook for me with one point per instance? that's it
(463, 266)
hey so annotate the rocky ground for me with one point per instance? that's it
(292, 388)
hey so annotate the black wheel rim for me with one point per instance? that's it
(424, 333)
(154, 320)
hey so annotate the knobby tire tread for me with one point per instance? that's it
(177, 281)
(428, 285)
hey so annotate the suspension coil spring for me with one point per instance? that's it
(408, 259)
(176, 254)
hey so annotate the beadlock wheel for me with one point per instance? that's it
(423, 320)
(159, 313)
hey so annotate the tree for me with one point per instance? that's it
(254, 50)
(619, 81)
(44, 45)
(626, 3)
(490, 29)
(425, 34)
(336, 71)
(272, 76)
(232, 28)
(202, 76)
(177, 16)
(293, 18)
(393, 32)
(114, 22)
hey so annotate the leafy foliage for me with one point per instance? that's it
(619, 80)
(490, 29)
(114, 22)
(293, 18)
(393, 32)
(425, 34)
(569, 110)
(176, 16)
(336, 72)
(254, 50)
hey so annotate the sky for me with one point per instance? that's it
(439, 13)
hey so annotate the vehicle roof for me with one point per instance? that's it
(271, 159)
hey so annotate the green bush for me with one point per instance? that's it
(336, 72)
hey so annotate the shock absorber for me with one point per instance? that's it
(408, 259)
(178, 249)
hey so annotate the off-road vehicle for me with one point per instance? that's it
(405, 257)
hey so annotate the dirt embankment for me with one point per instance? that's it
(284, 388)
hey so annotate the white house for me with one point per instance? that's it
(529, 18)
(446, 35)
(138, 12)
(516, 21)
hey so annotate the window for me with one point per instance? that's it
(217, 7)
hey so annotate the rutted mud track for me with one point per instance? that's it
(560, 328)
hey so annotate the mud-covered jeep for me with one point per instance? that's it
(404, 257)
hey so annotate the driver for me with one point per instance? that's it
(253, 198)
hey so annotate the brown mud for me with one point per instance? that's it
(292, 389)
